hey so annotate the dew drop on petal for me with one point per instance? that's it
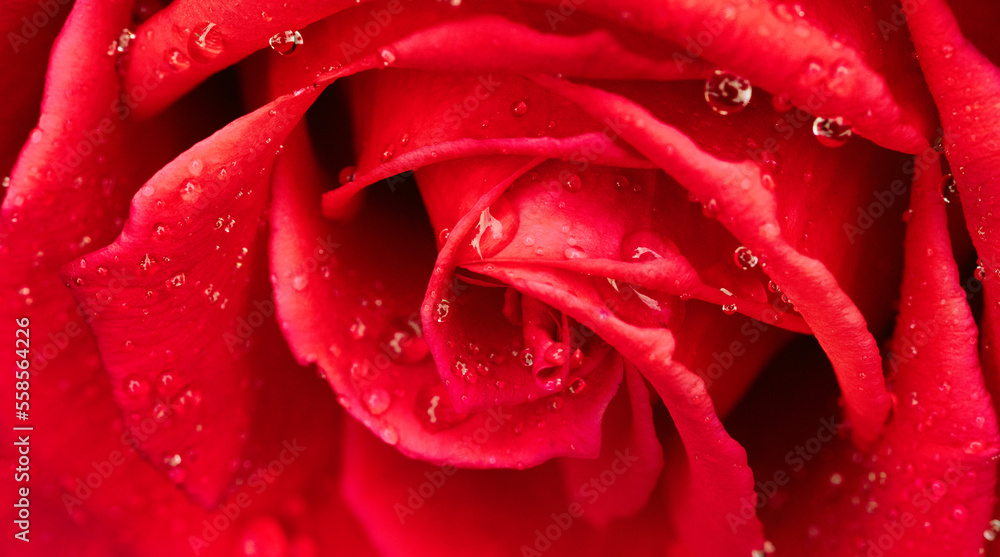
(744, 258)
(442, 310)
(135, 387)
(377, 401)
(205, 43)
(727, 93)
(948, 188)
(434, 409)
(526, 357)
(286, 43)
(387, 56)
(577, 386)
(831, 132)
(347, 174)
(176, 60)
(519, 108)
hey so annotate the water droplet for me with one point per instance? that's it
(190, 191)
(526, 357)
(434, 409)
(744, 258)
(121, 45)
(947, 50)
(461, 369)
(519, 108)
(948, 188)
(135, 387)
(175, 281)
(405, 342)
(387, 153)
(377, 401)
(442, 310)
(496, 228)
(173, 460)
(286, 42)
(205, 43)
(347, 174)
(577, 386)
(387, 56)
(570, 182)
(390, 435)
(176, 60)
(831, 132)
(557, 354)
(357, 329)
(102, 271)
(781, 102)
(727, 93)
(729, 309)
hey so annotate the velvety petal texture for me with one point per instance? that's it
(186, 251)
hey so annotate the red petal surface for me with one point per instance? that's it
(188, 41)
(930, 485)
(814, 66)
(181, 267)
(747, 209)
(358, 318)
(963, 82)
(24, 56)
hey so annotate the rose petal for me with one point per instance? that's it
(936, 462)
(26, 58)
(748, 210)
(188, 255)
(719, 485)
(815, 69)
(358, 318)
(637, 466)
(961, 80)
(188, 41)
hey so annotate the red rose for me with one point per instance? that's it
(538, 251)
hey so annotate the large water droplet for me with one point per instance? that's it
(442, 310)
(727, 93)
(570, 182)
(831, 132)
(744, 258)
(519, 108)
(577, 386)
(286, 42)
(205, 43)
(496, 228)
